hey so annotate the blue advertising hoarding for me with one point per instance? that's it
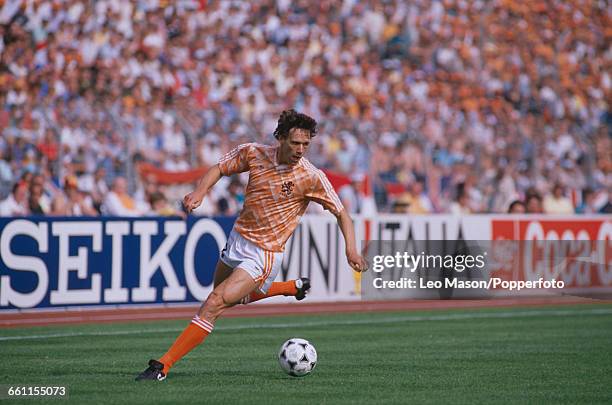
(59, 262)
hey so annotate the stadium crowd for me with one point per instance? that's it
(446, 106)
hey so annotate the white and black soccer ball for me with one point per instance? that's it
(297, 357)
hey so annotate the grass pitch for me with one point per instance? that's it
(537, 355)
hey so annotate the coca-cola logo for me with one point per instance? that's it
(576, 252)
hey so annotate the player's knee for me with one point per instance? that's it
(215, 303)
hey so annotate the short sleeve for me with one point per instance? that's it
(235, 161)
(323, 193)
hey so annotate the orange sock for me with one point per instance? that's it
(193, 335)
(287, 288)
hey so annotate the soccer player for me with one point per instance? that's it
(281, 184)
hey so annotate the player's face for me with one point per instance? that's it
(294, 146)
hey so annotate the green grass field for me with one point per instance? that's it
(526, 355)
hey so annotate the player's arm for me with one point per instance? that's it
(194, 199)
(355, 260)
(323, 193)
(233, 162)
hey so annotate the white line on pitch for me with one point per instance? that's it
(298, 324)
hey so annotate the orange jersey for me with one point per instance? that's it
(277, 195)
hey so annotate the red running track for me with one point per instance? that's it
(106, 315)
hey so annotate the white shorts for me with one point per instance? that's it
(261, 264)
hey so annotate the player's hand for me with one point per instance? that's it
(356, 261)
(192, 201)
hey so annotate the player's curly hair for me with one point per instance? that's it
(292, 119)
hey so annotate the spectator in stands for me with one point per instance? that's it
(38, 202)
(80, 202)
(517, 207)
(175, 162)
(447, 84)
(401, 205)
(607, 207)
(72, 202)
(235, 196)
(34, 205)
(557, 202)
(418, 201)
(16, 204)
(461, 206)
(352, 195)
(161, 207)
(503, 189)
(210, 150)
(119, 203)
(533, 204)
(223, 207)
(6, 172)
(95, 185)
(587, 206)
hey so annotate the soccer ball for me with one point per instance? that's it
(297, 357)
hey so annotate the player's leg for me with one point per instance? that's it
(222, 272)
(255, 268)
(228, 293)
(291, 288)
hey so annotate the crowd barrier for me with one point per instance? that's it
(66, 262)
